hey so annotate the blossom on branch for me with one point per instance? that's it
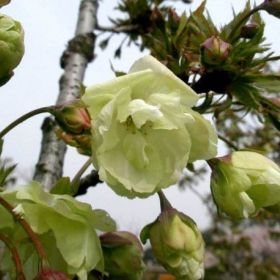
(144, 131)
(244, 182)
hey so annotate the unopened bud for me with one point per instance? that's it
(123, 255)
(48, 274)
(177, 244)
(73, 118)
(272, 7)
(249, 30)
(244, 182)
(214, 51)
(82, 142)
(11, 46)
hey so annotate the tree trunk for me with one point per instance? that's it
(74, 61)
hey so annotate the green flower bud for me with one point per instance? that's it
(177, 244)
(214, 51)
(272, 7)
(144, 131)
(244, 182)
(73, 118)
(11, 46)
(122, 255)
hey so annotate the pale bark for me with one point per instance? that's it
(74, 61)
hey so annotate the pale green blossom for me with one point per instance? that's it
(144, 131)
(244, 182)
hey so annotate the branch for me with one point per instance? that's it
(31, 234)
(91, 180)
(229, 143)
(49, 166)
(118, 29)
(74, 61)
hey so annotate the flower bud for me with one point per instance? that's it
(73, 118)
(214, 51)
(249, 30)
(272, 7)
(11, 46)
(244, 182)
(4, 2)
(81, 142)
(122, 255)
(48, 274)
(177, 244)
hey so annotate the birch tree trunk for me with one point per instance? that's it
(74, 61)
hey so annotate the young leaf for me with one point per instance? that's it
(62, 186)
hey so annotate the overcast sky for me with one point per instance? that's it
(48, 25)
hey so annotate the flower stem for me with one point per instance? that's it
(15, 255)
(164, 203)
(76, 180)
(32, 235)
(25, 117)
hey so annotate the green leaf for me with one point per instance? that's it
(145, 232)
(102, 221)
(245, 92)
(237, 18)
(7, 220)
(1, 145)
(62, 186)
(270, 83)
(5, 172)
(72, 224)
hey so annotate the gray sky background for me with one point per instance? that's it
(48, 25)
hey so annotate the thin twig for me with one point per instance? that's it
(31, 234)
(228, 142)
(90, 180)
(15, 256)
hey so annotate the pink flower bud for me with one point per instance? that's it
(48, 274)
(73, 118)
(214, 51)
